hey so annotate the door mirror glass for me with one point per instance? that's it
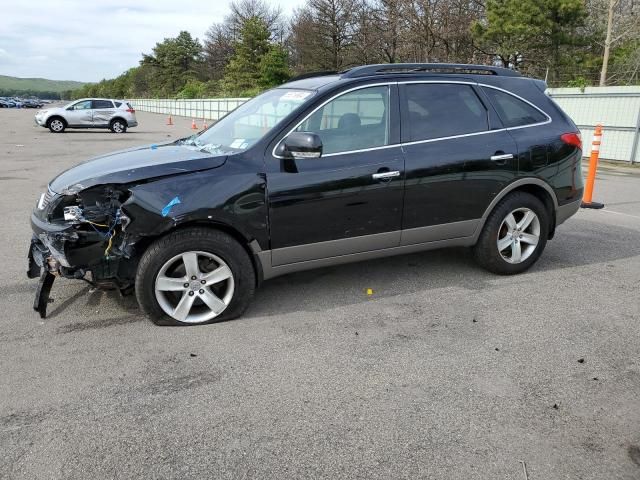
(302, 145)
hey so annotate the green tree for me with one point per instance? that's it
(242, 74)
(176, 61)
(274, 67)
(530, 32)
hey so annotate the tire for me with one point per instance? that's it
(162, 283)
(118, 126)
(56, 125)
(506, 246)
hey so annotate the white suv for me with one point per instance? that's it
(116, 115)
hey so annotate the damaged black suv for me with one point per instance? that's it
(378, 160)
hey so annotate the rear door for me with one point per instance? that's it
(103, 112)
(458, 157)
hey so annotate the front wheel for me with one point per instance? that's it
(118, 126)
(514, 235)
(194, 276)
(56, 125)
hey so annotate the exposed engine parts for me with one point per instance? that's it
(92, 223)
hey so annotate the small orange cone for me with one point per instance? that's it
(204, 124)
(169, 120)
(193, 124)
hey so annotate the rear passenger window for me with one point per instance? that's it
(102, 104)
(512, 111)
(444, 110)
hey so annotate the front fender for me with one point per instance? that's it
(235, 199)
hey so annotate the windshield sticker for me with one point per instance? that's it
(238, 143)
(297, 95)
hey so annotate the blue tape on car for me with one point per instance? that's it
(167, 208)
(154, 147)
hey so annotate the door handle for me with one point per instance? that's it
(385, 175)
(500, 158)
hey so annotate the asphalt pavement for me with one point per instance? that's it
(444, 372)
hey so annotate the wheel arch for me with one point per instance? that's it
(250, 246)
(53, 117)
(118, 118)
(533, 186)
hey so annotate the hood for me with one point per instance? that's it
(133, 165)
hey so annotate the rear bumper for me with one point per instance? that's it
(563, 212)
(132, 123)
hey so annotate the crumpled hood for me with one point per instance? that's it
(133, 165)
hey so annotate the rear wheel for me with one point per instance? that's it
(514, 235)
(194, 276)
(118, 126)
(56, 125)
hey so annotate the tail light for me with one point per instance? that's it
(131, 110)
(574, 139)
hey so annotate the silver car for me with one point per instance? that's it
(116, 115)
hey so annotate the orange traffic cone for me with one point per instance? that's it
(169, 120)
(204, 124)
(193, 124)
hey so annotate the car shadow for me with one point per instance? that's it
(584, 243)
(581, 243)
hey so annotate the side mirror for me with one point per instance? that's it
(302, 145)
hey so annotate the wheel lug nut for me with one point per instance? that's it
(191, 293)
(186, 285)
(202, 282)
(201, 291)
(193, 278)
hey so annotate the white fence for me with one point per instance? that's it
(616, 108)
(210, 108)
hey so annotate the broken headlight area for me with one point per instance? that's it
(81, 236)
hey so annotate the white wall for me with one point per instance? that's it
(616, 108)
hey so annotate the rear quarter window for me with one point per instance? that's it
(118, 104)
(512, 111)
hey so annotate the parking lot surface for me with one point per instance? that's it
(445, 371)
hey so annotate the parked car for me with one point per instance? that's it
(116, 115)
(4, 104)
(8, 103)
(375, 161)
(32, 103)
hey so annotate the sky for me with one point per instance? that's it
(94, 39)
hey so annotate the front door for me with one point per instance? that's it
(458, 157)
(350, 199)
(80, 114)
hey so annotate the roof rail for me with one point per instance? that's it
(455, 68)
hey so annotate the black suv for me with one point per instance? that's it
(332, 168)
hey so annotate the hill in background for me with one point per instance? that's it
(39, 87)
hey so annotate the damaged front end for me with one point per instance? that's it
(80, 234)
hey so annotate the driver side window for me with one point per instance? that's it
(85, 105)
(354, 121)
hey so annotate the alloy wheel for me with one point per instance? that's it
(57, 125)
(194, 287)
(518, 235)
(118, 127)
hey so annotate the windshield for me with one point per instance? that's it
(248, 123)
